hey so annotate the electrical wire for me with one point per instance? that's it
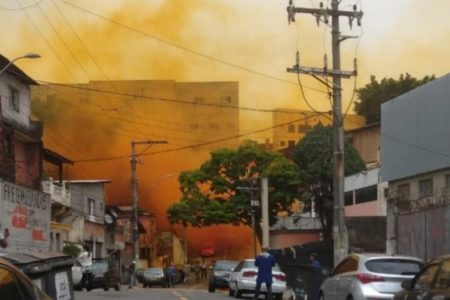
(21, 7)
(195, 52)
(197, 145)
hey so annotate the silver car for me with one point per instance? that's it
(369, 276)
(243, 280)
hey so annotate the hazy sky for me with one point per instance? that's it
(396, 37)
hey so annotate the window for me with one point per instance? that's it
(403, 191)
(11, 288)
(303, 128)
(425, 188)
(282, 143)
(348, 265)
(426, 277)
(291, 144)
(91, 203)
(443, 277)
(7, 145)
(225, 99)
(291, 128)
(366, 194)
(348, 198)
(14, 99)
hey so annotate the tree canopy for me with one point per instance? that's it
(314, 157)
(373, 94)
(210, 194)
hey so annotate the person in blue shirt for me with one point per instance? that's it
(316, 276)
(171, 274)
(264, 262)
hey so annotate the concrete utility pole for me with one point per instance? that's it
(134, 196)
(340, 236)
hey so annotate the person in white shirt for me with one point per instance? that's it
(4, 239)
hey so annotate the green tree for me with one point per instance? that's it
(72, 250)
(314, 157)
(210, 195)
(373, 94)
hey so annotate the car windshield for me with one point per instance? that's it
(251, 264)
(225, 266)
(153, 271)
(394, 266)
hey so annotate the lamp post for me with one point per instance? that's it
(27, 55)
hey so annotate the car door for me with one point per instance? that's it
(329, 286)
(15, 286)
(422, 284)
(232, 281)
(441, 285)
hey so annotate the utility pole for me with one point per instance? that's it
(134, 197)
(322, 14)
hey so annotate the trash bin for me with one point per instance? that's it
(58, 278)
(32, 266)
(50, 271)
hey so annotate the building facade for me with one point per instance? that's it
(24, 208)
(416, 163)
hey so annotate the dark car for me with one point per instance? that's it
(432, 282)
(14, 284)
(102, 275)
(154, 276)
(221, 271)
(140, 275)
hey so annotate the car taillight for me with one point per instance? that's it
(249, 274)
(280, 277)
(368, 278)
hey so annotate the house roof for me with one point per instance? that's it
(89, 181)
(54, 157)
(15, 71)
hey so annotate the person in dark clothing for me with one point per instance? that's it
(131, 270)
(315, 277)
(265, 262)
(171, 274)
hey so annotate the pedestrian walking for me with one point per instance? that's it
(315, 276)
(171, 274)
(131, 270)
(265, 262)
(204, 268)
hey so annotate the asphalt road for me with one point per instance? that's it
(178, 293)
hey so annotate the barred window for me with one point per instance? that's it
(426, 188)
(404, 191)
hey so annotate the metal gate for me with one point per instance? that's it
(424, 234)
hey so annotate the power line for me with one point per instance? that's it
(196, 145)
(195, 52)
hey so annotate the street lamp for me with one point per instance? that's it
(29, 55)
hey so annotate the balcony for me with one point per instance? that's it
(58, 192)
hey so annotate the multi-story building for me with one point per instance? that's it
(291, 125)
(415, 153)
(24, 208)
(87, 202)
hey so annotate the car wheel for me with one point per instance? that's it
(88, 288)
(144, 285)
(117, 287)
(230, 292)
(106, 286)
(321, 296)
(349, 297)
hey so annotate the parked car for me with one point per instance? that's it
(369, 276)
(140, 274)
(221, 271)
(14, 284)
(154, 276)
(100, 275)
(243, 280)
(432, 282)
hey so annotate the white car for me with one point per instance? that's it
(243, 280)
(369, 276)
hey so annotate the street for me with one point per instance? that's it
(182, 293)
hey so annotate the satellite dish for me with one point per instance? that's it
(108, 219)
